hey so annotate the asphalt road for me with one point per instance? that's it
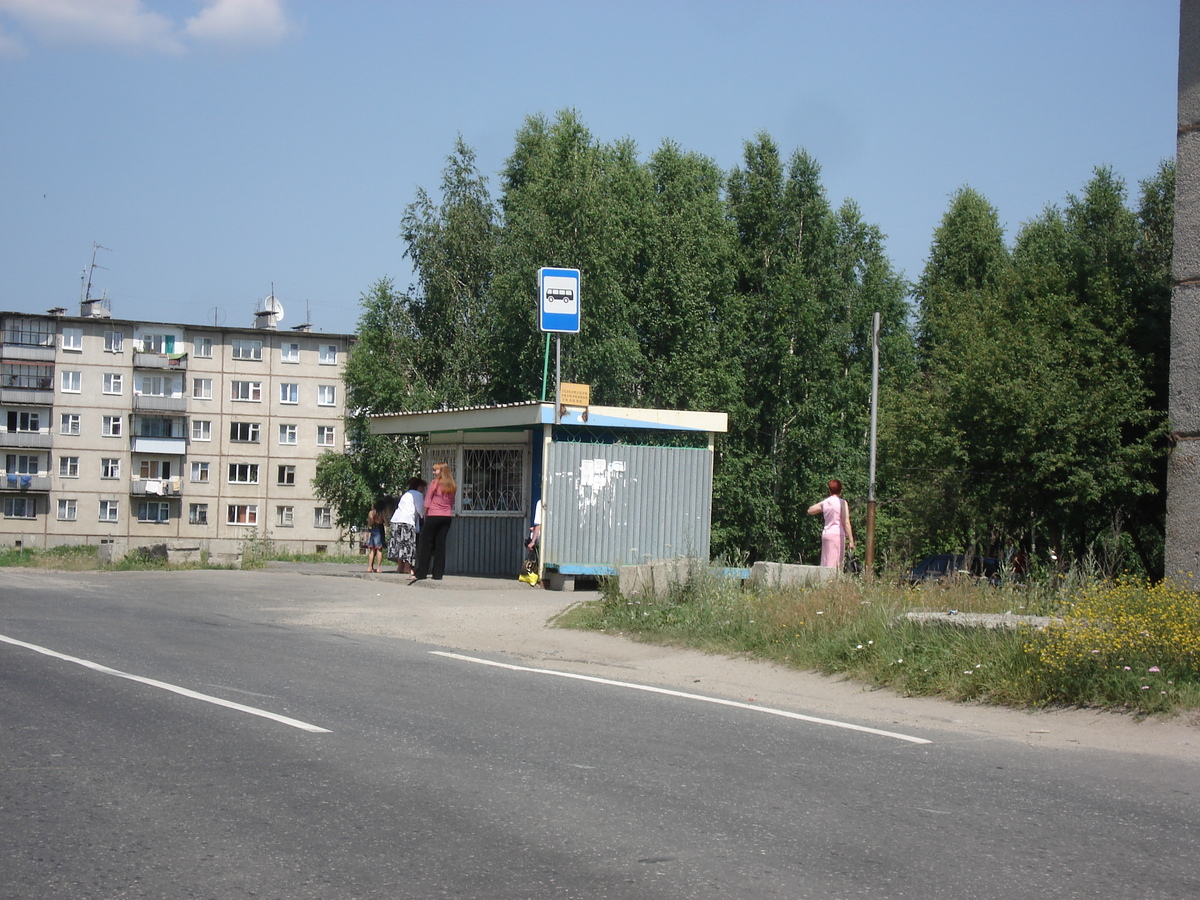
(350, 764)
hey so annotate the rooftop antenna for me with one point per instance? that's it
(271, 312)
(87, 293)
(218, 317)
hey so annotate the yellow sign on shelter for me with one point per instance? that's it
(575, 394)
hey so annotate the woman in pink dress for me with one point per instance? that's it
(837, 534)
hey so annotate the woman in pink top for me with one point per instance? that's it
(837, 533)
(439, 508)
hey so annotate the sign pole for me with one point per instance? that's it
(557, 378)
(869, 564)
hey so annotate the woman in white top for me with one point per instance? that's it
(406, 525)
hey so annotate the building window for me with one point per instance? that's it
(70, 382)
(68, 467)
(20, 507)
(26, 377)
(285, 516)
(72, 338)
(247, 349)
(114, 341)
(154, 468)
(113, 382)
(111, 426)
(243, 473)
(287, 434)
(326, 395)
(108, 510)
(68, 510)
(68, 423)
(328, 355)
(202, 388)
(324, 435)
(24, 421)
(158, 426)
(242, 514)
(200, 471)
(202, 347)
(245, 390)
(492, 480)
(110, 467)
(289, 393)
(158, 343)
(155, 386)
(32, 332)
(287, 475)
(323, 517)
(23, 464)
(243, 432)
(158, 511)
(197, 513)
(201, 430)
(289, 353)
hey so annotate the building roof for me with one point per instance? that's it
(533, 414)
(304, 329)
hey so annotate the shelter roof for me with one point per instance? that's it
(534, 414)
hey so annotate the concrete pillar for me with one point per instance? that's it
(1182, 556)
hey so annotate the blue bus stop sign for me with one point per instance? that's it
(558, 299)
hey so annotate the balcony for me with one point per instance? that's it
(158, 403)
(170, 446)
(148, 359)
(26, 353)
(25, 483)
(37, 440)
(156, 487)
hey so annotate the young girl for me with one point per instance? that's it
(376, 526)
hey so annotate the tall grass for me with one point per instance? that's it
(859, 630)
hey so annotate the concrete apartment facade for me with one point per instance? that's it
(140, 434)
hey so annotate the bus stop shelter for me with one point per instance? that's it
(618, 486)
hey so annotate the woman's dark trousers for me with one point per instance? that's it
(432, 546)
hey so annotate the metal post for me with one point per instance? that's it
(557, 378)
(870, 554)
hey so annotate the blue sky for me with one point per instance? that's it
(218, 147)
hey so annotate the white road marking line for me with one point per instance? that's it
(670, 693)
(175, 689)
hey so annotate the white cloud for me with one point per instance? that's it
(240, 22)
(131, 24)
(123, 23)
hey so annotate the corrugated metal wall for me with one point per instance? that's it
(486, 545)
(611, 504)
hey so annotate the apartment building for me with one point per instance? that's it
(147, 433)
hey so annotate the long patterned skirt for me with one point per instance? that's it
(403, 545)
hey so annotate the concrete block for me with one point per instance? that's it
(112, 551)
(780, 575)
(557, 581)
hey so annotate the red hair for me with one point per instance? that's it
(835, 487)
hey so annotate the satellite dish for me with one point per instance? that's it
(269, 313)
(273, 308)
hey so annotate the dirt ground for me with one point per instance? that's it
(490, 616)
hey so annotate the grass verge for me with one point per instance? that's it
(858, 630)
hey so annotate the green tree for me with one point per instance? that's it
(452, 246)
(382, 374)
